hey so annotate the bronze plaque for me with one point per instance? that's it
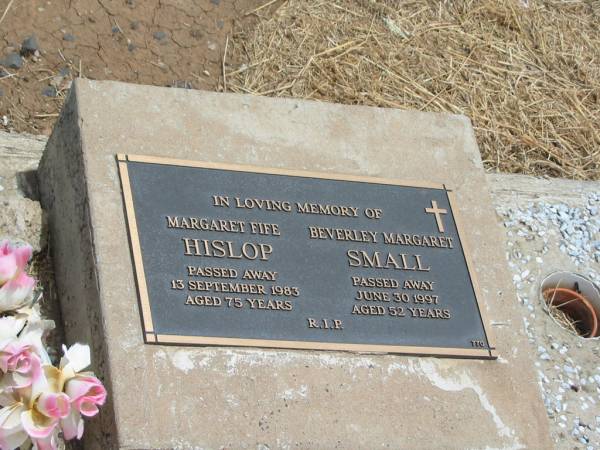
(247, 256)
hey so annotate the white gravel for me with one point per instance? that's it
(568, 367)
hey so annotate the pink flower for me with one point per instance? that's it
(22, 363)
(22, 423)
(56, 406)
(72, 425)
(86, 393)
(15, 285)
(37, 425)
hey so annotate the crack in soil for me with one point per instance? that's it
(115, 40)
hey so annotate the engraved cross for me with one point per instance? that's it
(438, 214)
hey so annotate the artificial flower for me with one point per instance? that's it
(15, 285)
(84, 390)
(54, 405)
(22, 422)
(75, 359)
(10, 328)
(37, 400)
(37, 425)
(22, 353)
(21, 364)
(12, 433)
(48, 443)
(86, 393)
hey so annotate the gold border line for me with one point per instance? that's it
(151, 337)
(135, 246)
(310, 345)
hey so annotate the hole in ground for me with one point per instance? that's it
(573, 301)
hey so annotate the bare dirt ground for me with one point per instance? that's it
(160, 42)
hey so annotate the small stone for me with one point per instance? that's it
(65, 71)
(131, 3)
(196, 34)
(159, 35)
(49, 91)
(182, 84)
(130, 47)
(68, 37)
(57, 81)
(12, 60)
(115, 29)
(220, 24)
(135, 25)
(215, 2)
(30, 45)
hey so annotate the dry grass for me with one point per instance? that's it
(564, 320)
(528, 76)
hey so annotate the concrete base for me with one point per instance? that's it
(177, 397)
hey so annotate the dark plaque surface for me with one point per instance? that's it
(236, 255)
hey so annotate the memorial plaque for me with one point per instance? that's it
(247, 256)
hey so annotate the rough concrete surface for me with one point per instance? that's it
(562, 353)
(21, 216)
(176, 397)
(547, 223)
